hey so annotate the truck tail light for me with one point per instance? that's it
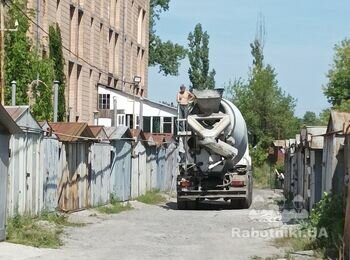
(185, 183)
(237, 183)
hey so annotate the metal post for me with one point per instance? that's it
(55, 100)
(2, 50)
(133, 109)
(141, 113)
(13, 85)
(115, 113)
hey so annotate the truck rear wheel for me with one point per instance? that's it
(241, 203)
(181, 204)
(186, 204)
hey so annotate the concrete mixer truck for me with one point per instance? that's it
(215, 161)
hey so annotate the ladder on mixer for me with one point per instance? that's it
(181, 121)
(183, 136)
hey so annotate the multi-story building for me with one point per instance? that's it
(105, 43)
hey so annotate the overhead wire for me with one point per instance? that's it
(63, 46)
(35, 130)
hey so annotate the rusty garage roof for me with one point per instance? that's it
(155, 139)
(98, 132)
(72, 132)
(7, 124)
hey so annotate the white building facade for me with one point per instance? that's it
(134, 112)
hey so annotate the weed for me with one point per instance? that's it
(152, 197)
(114, 208)
(39, 231)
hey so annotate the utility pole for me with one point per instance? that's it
(2, 50)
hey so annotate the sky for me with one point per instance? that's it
(299, 43)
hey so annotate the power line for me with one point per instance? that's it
(63, 46)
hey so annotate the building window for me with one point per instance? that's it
(130, 121)
(156, 124)
(167, 124)
(111, 52)
(121, 120)
(72, 33)
(116, 54)
(104, 101)
(140, 26)
(80, 38)
(175, 125)
(146, 124)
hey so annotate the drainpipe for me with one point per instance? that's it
(13, 85)
(55, 100)
(123, 52)
(115, 113)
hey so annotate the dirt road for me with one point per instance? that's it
(161, 232)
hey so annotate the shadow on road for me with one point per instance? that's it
(203, 205)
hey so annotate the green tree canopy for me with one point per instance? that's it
(166, 55)
(338, 87)
(56, 55)
(24, 65)
(268, 111)
(310, 119)
(198, 55)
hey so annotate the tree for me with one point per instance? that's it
(198, 55)
(310, 119)
(166, 55)
(338, 86)
(268, 111)
(18, 56)
(23, 64)
(56, 55)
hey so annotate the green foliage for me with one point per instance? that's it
(311, 119)
(263, 176)
(343, 107)
(18, 55)
(198, 55)
(151, 197)
(279, 166)
(114, 207)
(338, 87)
(268, 111)
(40, 231)
(259, 155)
(166, 55)
(42, 109)
(324, 116)
(329, 214)
(23, 64)
(56, 55)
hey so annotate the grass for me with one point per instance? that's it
(152, 197)
(114, 207)
(41, 231)
(263, 177)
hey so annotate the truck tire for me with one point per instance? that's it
(181, 204)
(236, 203)
(192, 204)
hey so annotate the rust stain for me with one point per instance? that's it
(67, 132)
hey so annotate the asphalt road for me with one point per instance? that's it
(162, 232)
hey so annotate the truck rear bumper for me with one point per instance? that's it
(212, 194)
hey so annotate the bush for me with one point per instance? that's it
(259, 156)
(329, 214)
(263, 176)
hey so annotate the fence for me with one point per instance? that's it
(47, 173)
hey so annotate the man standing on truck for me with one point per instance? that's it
(183, 98)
